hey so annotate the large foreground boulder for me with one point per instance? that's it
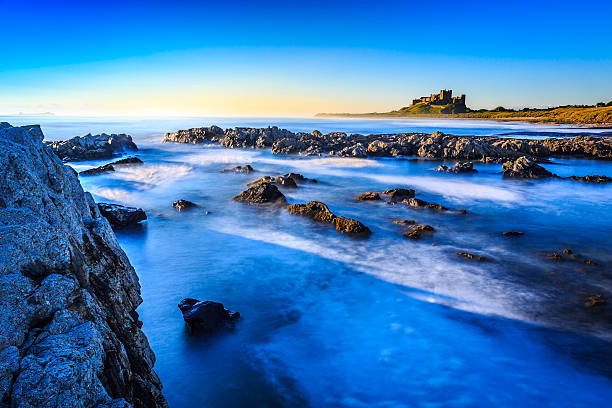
(91, 147)
(121, 216)
(320, 212)
(206, 316)
(525, 168)
(262, 193)
(69, 332)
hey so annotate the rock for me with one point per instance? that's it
(418, 203)
(595, 300)
(369, 196)
(110, 167)
(182, 205)
(121, 216)
(525, 168)
(206, 316)
(469, 255)
(404, 222)
(512, 233)
(240, 169)
(592, 179)
(284, 181)
(398, 194)
(320, 212)
(262, 193)
(459, 167)
(555, 256)
(418, 231)
(70, 334)
(91, 147)
(195, 135)
(298, 178)
(356, 150)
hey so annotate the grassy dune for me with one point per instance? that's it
(572, 115)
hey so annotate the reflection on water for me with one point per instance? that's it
(331, 321)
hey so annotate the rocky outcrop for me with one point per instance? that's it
(110, 167)
(320, 212)
(513, 233)
(70, 335)
(398, 194)
(434, 146)
(239, 169)
(459, 167)
(284, 181)
(183, 205)
(418, 203)
(471, 256)
(592, 179)
(369, 196)
(206, 316)
(416, 232)
(120, 216)
(525, 168)
(262, 193)
(91, 147)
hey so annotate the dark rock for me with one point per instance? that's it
(320, 212)
(206, 316)
(555, 256)
(469, 255)
(525, 168)
(418, 203)
(512, 233)
(91, 147)
(459, 167)
(240, 169)
(595, 300)
(195, 135)
(299, 178)
(182, 205)
(369, 196)
(592, 179)
(404, 222)
(110, 167)
(284, 181)
(70, 335)
(418, 231)
(398, 194)
(262, 193)
(121, 216)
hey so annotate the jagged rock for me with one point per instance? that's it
(299, 178)
(555, 256)
(69, 335)
(369, 196)
(398, 194)
(404, 222)
(91, 147)
(592, 179)
(195, 135)
(469, 255)
(356, 150)
(262, 193)
(206, 316)
(525, 168)
(459, 167)
(110, 167)
(284, 181)
(512, 233)
(121, 216)
(418, 203)
(240, 169)
(182, 205)
(320, 212)
(417, 231)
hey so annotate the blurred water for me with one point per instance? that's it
(334, 321)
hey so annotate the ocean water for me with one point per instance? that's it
(329, 320)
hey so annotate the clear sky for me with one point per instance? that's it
(298, 58)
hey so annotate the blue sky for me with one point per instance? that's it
(284, 59)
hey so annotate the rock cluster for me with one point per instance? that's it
(69, 335)
(284, 181)
(592, 179)
(469, 255)
(239, 169)
(435, 146)
(262, 193)
(91, 147)
(183, 205)
(525, 168)
(120, 216)
(206, 316)
(418, 231)
(320, 212)
(459, 167)
(110, 167)
(369, 196)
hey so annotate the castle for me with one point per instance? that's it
(445, 97)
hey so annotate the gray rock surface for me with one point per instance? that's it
(70, 334)
(91, 147)
(525, 168)
(121, 216)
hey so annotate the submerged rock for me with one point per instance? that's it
(469, 255)
(525, 168)
(595, 300)
(284, 181)
(459, 167)
(418, 231)
(110, 167)
(262, 193)
(398, 194)
(512, 233)
(206, 316)
(182, 205)
(369, 196)
(91, 147)
(320, 212)
(592, 179)
(404, 222)
(70, 335)
(240, 169)
(418, 203)
(121, 216)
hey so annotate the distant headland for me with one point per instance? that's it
(444, 105)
